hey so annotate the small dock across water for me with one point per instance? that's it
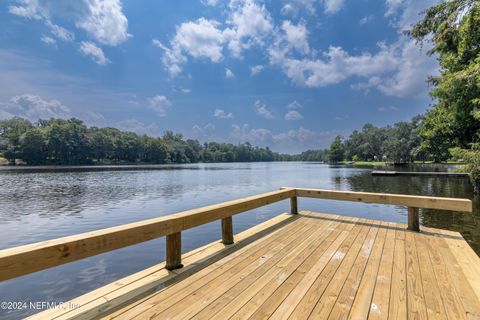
(420, 173)
(298, 265)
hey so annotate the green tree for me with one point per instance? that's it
(336, 153)
(33, 147)
(453, 28)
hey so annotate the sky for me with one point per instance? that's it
(288, 74)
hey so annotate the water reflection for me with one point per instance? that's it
(44, 203)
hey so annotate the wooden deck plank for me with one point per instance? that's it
(362, 300)
(309, 265)
(313, 264)
(453, 305)
(360, 248)
(433, 299)
(372, 249)
(381, 294)
(397, 308)
(468, 298)
(415, 295)
(254, 296)
(309, 300)
(177, 293)
(304, 246)
(331, 237)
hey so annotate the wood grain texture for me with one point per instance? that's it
(303, 266)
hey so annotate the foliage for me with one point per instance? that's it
(453, 28)
(336, 153)
(58, 141)
(472, 159)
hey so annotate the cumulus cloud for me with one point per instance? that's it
(205, 133)
(332, 6)
(229, 74)
(254, 70)
(138, 127)
(292, 141)
(335, 66)
(159, 104)
(294, 105)
(199, 39)
(33, 107)
(103, 20)
(296, 35)
(262, 110)
(293, 115)
(410, 74)
(88, 48)
(220, 113)
(248, 25)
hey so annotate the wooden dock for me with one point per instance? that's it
(420, 173)
(300, 265)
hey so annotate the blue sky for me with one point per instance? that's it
(289, 74)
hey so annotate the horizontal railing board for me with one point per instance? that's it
(18, 261)
(439, 203)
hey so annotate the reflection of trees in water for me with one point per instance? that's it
(465, 223)
(55, 194)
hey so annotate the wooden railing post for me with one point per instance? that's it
(227, 230)
(174, 251)
(413, 219)
(293, 205)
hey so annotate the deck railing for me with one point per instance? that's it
(22, 260)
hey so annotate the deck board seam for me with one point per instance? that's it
(340, 265)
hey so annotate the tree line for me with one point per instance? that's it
(71, 142)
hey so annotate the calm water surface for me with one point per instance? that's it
(46, 203)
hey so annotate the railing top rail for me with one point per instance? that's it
(33, 257)
(425, 202)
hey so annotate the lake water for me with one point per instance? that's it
(45, 203)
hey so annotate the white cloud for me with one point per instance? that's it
(220, 113)
(205, 133)
(294, 105)
(295, 7)
(405, 13)
(229, 74)
(159, 104)
(293, 141)
(138, 127)
(90, 49)
(60, 32)
(249, 23)
(48, 40)
(293, 115)
(409, 78)
(254, 70)
(296, 35)
(103, 20)
(33, 107)
(199, 39)
(332, 6)
(185, 90)
(262, 110)
(336, 66)
(209, 2)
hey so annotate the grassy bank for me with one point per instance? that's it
(366, 163)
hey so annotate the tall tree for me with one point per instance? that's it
(336, 153)
(453, 28)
